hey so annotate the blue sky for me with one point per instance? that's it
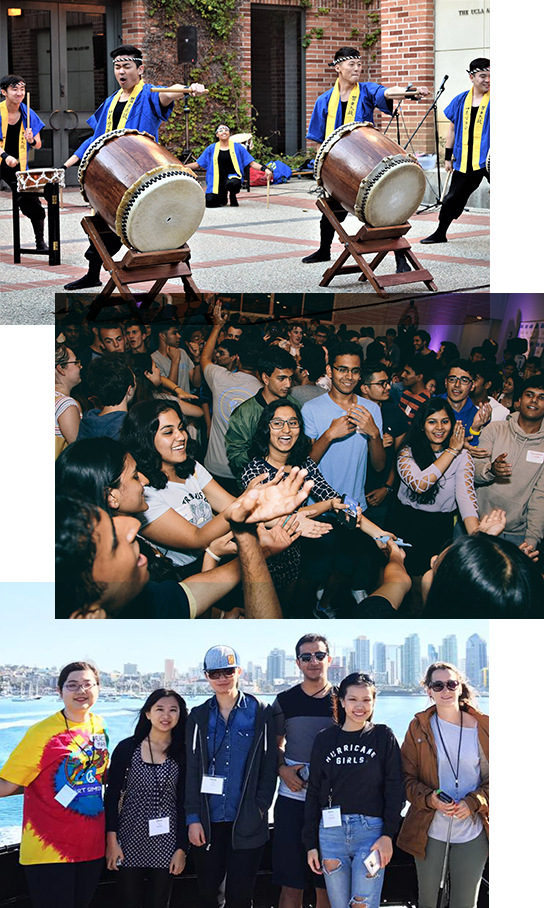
(31, 636)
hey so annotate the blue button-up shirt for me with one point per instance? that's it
(229, 744)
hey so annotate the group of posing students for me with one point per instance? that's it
(205, 781)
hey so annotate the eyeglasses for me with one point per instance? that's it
(307, 657)
(217, 673)
(73, 686)
(382, 384)
(453, 379)
(343, 371)
(72, 362)
(440, 685)
(278, 423)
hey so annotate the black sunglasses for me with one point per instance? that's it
(216, 673)
(307, 657)
(440, 685)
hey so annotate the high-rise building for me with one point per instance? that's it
(130, 668)
(275, 665)
(476, 659)
(432, 654)
(362, 654)
(169, 672)
(393, 664)
(448, 650)
(411, 661)
(379, 662)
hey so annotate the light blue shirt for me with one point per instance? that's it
(344, 463)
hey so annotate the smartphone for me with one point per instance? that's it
(350, 513)
(372, 862)
(303, 773)
(442, 796)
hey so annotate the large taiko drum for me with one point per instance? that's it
(370, 175)
(140, 189)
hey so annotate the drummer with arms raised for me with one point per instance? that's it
(351, 101)
(467, 146)
(134, 106)
(224, 162)
(15, 140)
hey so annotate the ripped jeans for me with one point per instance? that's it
(348, 886)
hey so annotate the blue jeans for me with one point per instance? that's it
(349, 886)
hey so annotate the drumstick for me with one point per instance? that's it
(445, 186)
(268, 191)
(183, 88)
(28, 110)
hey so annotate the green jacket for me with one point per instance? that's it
(242, 427)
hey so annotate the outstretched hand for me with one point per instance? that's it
(270, 501)
(493, 523)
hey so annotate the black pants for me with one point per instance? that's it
(461, 188)
(232, 185)
(144, 888)
(226, 876)
(63, 885)
(112, 243)
(29, 202)
(326, 229)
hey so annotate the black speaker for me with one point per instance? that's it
(187, 44)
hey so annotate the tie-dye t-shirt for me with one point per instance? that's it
(62, 770)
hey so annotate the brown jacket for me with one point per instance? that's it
(420, 764)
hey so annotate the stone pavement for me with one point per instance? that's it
(252, 249)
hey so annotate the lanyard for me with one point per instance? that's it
(215, 750)
(88, 760)
(454, 771)
(160, 791)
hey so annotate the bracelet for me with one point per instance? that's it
(263, 168)
(389, 488)
(214, 556)
(474, 432)
(32, 144)
(177, 388)
(448, 154)
(222, 614)
(453, 452)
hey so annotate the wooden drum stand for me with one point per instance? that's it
(369, 240)
(136, 268)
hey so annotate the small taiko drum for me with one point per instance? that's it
(370, 175)
(140, 189)
(34, 180)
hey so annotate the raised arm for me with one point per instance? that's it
(219, 320)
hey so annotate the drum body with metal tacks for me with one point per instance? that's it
(34, 180)
(150, 200)
(370, 175)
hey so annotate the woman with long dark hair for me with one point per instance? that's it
(437, 478)
(445, 757)
(60, 764)
(151, 384)
(181, 496)
(355, 797)
(145, 818)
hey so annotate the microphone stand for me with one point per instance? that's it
(439, 93)
(186, 156)
(395, 116)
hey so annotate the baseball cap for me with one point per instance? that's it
(221, 657)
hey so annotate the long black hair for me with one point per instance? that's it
(420, 445)
(140, 364)
(260, 443)
(490, 572)
(91, 467)
(176, 748)
(138, 434)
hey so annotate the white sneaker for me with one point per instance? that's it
(327, 612)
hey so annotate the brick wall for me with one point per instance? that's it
(403, 53)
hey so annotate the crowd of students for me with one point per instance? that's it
(159, 429)
(206, 781)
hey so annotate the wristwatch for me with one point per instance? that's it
(388, 488)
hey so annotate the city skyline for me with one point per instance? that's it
(149, 643)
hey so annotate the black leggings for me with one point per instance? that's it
(226, 876)
(144, 888)
(63, 885)
(461, 188)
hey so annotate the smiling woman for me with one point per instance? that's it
(61, 763)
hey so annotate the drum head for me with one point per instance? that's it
(163, 213)
(394, 196)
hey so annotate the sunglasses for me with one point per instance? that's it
(440, 685)
(216, 673)
(307, 657)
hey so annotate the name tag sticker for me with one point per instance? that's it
(331, 817)
(535, 456)
(99, 742)
(159, 826)
(66, 795)
(408, 410)
(212, 785)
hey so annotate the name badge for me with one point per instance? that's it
(331, 817)
(99, 741)
(159, 826)
(66, 795)
(212, 785)
(535, 456)
(408, 410)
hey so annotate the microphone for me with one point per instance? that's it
(444, 80)
(409, 86)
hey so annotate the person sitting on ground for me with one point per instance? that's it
(224, 162)
(111, 382)
(311, 367)
(67, 410)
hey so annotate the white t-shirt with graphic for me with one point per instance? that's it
(185, 498)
